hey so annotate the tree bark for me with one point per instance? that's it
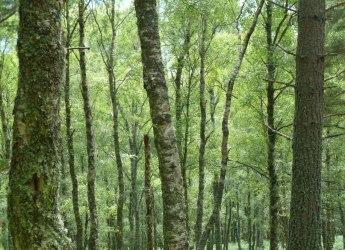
(174, 210)
(271, 135)
(34, 219)
(70, 140)
(149, 196)
(305, 222)
(90, 139)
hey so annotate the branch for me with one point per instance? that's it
(255, 169)
(277, 132)
(10, 13)
(283, 7)
(72, 48)
(337, 5)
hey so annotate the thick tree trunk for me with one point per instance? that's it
(91, 174)
(34, 219)
(70, 143)
(271, 135)
(174, 210)
(202, 134)
(149, 196)
(225, 128)
(305, 221)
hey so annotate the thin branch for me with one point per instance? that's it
(335, 6)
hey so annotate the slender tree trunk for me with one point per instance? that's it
(225, 128)
(328, 227)
(6, 135)
(33, 213)
(271, 135)
(91, 174)
(342, 219)
(217, 232)
(133, 207)
(187, 117)
(178, 111)
(305, 221)
(149, 196)
(70, 143)
(174, 210)
(202, 134)
(249, 220)
(238, 226)
(115, 111)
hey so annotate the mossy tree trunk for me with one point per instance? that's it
(34, 219)
(174, 210)
(305, 209)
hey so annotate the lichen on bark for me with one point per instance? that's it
(34, 219)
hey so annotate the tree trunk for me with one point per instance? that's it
(69, 135)
(115, 112)
(238, 226)
(149, 196)
(342, 219)
(179, 108)
(225, 128)
(271, 135)
(34, 219)
(249, 220)
(174, 211)
(6, 135)
(91, 174)
(305, 222)
(328, 227)
(202, 134)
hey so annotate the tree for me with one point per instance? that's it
(90, 138)
(34, 219)
(305, 212)
(69, 134)
(174, 210)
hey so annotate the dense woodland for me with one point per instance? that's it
(172, 124)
